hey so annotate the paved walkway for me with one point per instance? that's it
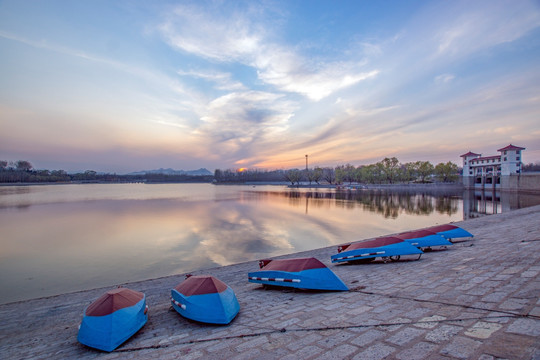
(477, 300)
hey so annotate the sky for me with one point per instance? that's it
(124, 85)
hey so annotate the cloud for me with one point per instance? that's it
(482, 25)
(169, 123)
(260, 82)
(444, 78)
(445, 41)
(233, 36)
(237, 122)
(222, 80)
(314, 83)
(208, 34)
(128, 68)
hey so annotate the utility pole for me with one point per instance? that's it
(306, 163)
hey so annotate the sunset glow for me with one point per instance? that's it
(129, 85)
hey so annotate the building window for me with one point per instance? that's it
(505, 158)
(504, 152)
(517, 158)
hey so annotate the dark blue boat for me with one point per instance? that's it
(113, 318)
(386, 247)
(424, 238)
(450, 231)
(300, 273)
(205, 299)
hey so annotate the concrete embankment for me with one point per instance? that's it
(478, 299)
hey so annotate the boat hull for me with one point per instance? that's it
(397, 249)
(429, 241)
(213, 308)
(450, 231)
(110, 331)
(311, 279)
(455, 233)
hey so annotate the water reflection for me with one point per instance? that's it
(58, 239)
(390, 204)
(478, 203)
(54, 248)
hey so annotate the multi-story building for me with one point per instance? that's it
(491, 171)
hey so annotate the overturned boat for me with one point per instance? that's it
(450, 231)
(113, 318)
(389, 247)
(300, 273)
(205, 299)
(424, 239)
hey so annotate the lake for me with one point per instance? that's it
(63, 238)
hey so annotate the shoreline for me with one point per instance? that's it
(416, 187)
(477, 299)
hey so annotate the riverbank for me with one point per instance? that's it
(456, 188)
(476, 300)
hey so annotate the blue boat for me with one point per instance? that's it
(205, 299)
(424, 238)
(450, 231)
(300, 273)
(113, 318)
(386, 247)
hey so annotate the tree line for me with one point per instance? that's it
(22, 171)
(386, 171)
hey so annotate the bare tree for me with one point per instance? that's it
(23, 165)
(531, 167)
(293, 176)
(329, 175)
(314, 175)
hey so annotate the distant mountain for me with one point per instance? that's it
(169, 171)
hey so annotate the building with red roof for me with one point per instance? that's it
(487, 171)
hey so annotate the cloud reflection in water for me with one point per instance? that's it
(57, 247)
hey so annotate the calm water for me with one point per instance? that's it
(62, 238)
